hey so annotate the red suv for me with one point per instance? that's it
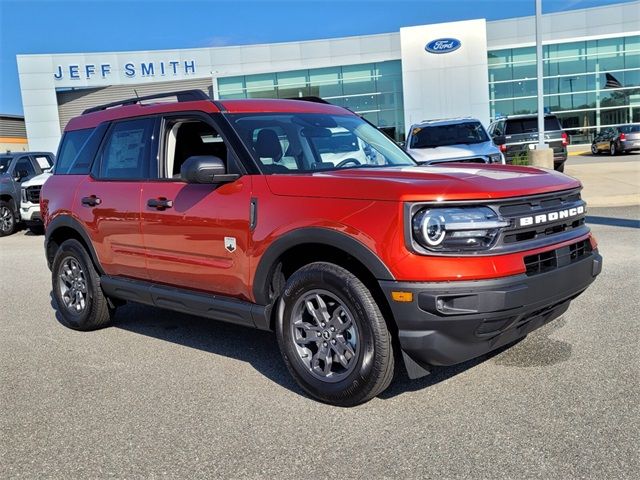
(303, 218)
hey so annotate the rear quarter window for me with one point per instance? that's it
(70, 146)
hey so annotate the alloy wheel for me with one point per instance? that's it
(73, 286)
(594, 149)
(326, 336)
(613, 149)
(6, 219)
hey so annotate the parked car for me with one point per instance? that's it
(30, 202)
(16, 168)
(615, 140)
(452, 140)
(187, 206)
(517, 134)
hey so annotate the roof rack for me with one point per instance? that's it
(309, 99)
(182, 96)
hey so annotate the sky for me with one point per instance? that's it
(77, 26)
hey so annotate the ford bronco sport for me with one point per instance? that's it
(229, 210)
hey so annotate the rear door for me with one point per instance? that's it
(108, 201)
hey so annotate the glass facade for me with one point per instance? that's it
(587, 84)
(373, 90)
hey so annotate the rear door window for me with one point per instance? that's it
(126, 150)
(4, 164)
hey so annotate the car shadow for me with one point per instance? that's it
(613, 222)
(256, 347)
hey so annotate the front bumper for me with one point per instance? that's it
(30, 213)
(451, 322)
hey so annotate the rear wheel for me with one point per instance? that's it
(560, 167)
(332, 336)
(7, 218)
(76, 288)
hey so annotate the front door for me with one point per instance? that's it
(196, 236)
(109, 200)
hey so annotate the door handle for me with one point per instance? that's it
(91, 201)
(159, 203)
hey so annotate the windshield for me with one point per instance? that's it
(4, 164)
(433, 136)
(308, 142)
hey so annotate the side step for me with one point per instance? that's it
(216, 307)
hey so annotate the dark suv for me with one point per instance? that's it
(16, 168)
(614, 140)
(247, 211)
(517, 134)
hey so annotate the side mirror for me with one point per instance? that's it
(206, 169)
(499, 139)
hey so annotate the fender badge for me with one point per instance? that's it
(230, 244)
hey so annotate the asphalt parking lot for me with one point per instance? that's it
(167, 395)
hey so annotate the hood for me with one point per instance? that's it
(453, 152)
(431, 183)
(37, 180)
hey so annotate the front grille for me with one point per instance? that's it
(552, 209)
(560, 257)
(33, 194)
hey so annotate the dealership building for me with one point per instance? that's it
(478, 68)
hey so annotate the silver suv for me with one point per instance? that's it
(452, 140)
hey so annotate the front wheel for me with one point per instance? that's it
(613, 150)
(594, 149)
(333, 337)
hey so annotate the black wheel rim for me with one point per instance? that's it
(6, 219)
(325, 335)
(72, 284)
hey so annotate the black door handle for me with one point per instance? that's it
(91, 201)
(159, 203)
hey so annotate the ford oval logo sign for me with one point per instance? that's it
(443, 45)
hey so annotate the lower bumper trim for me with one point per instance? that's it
(452, 322)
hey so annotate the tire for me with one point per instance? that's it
(613, 150)
(594, 149)
(560, 167)
(354, 338)
(8, 221)
(93, 311)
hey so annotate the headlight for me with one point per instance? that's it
(496, 158)
(456, 229)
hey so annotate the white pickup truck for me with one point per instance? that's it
(30, 202)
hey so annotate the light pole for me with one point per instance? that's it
(541, 144)
(542, 155)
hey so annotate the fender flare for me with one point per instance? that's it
(70, 222)
(323, 236)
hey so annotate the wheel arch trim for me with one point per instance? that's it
(65, 221)
(317, 235)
